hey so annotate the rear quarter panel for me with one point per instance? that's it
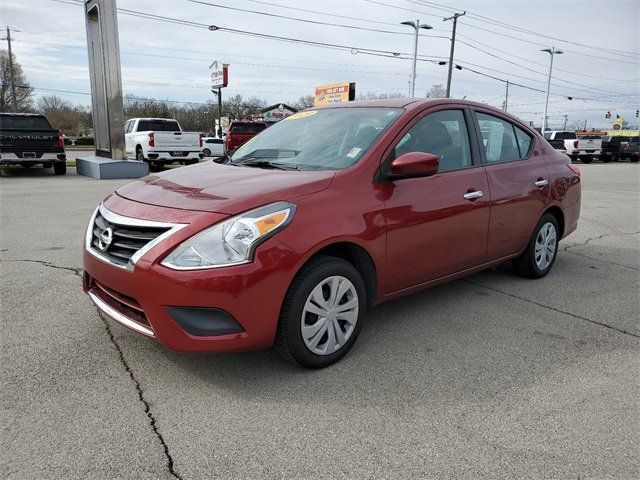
(565, 188)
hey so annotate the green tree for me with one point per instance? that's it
(24, 92)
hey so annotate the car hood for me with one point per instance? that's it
(212, 187)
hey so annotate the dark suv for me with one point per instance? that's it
(28, 139)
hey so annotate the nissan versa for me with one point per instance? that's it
(303, 228)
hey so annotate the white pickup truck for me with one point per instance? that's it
(161, 141)
(584, 149)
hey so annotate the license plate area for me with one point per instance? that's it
(29, 155)
(177, 154)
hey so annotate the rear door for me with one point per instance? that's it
(518, 181)
(437, 225)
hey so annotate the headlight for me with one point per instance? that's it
(232, 241)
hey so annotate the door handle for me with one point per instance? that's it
(473, 195)
(542, 182)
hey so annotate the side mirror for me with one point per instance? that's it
(414, 164)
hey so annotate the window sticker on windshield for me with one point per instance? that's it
(298, 115)
(353, 152)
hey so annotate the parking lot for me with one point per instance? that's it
(493, 376)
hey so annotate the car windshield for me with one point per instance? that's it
(325, 139)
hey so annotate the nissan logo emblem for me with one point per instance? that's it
(105, 239)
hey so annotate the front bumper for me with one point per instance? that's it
(145, 298)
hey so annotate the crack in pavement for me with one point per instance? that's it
(549, 307)
(631, 267)
(590, 239)
(147, 407)
(76, 271)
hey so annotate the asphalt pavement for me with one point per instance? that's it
(493, 376)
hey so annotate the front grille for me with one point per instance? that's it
(119, 242)
(127, 306)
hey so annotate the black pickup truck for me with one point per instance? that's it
(28, 139)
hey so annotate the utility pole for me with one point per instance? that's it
(506, 98)
(566, 117)
(416, 26)
(552, 52)
(13, 78)
(453, 44)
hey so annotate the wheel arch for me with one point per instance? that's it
(356, 255)
(557, 212)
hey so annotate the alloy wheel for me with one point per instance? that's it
(330, 315)
(546, 243)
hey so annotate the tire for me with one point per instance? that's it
(140, 155)
(526, 264)
(634, 159)
(586, 160)
(206, 152)
(311, 289)
(59, 168)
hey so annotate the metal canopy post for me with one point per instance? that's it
(107, 109)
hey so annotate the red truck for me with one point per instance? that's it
(240, 132)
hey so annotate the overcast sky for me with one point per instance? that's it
(600, 68)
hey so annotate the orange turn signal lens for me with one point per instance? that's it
(266, 224)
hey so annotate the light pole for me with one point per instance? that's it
(551, 51)
(416, 26)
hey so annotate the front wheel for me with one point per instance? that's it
(540, 255)
(322, 313)
(206, 152)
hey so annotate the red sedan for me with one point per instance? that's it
(320, 217)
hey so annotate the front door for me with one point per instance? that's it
(437, 225)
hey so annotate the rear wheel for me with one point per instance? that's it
(586, 160)
(206, 152)
(59, 168)
(322, 313)
(140, 154)
(540, 255)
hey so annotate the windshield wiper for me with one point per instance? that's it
(263, 163)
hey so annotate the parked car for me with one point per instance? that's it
(612, 147)
(161, 141)
(212, 146)
(323, 215)
(631, 149)
(585, 148)
(28, 139)
(240, 132)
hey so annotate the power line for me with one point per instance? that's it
(304, 20)
(499, 23)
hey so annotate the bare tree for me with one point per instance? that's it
(24, 92)
(436, 91)
(306, 101)
(63, 115)
(379, 96)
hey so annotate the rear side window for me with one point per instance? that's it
(524, 141)
(24, 122)
(214, 140)
(158, 126)
(247, 127)
(498, 139)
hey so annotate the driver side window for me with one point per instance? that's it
(442, 133)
